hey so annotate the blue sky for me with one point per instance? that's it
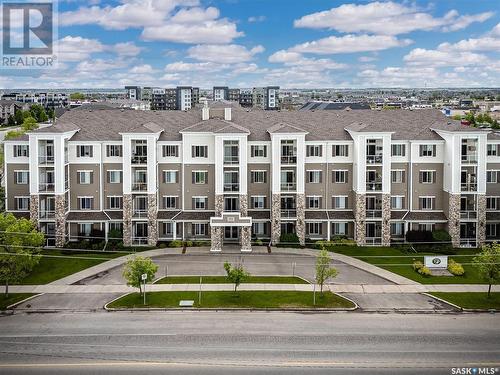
(294, 44)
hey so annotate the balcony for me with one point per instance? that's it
(139, 186)
(139, 241)
(373, 240)
(285, 213)
(288, 186)
(470, 186)
(468, 215)
(374, 186)
(45, 159)
(371, 214)
(231, 159)
(374, 159)
(47, 214)
(234, 186)
(140, 213)
(46, 187)
(289, 159)
(137, 159)
(469, 158)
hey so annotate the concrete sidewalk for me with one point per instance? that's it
(345, 288)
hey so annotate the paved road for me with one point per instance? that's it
(243, 343)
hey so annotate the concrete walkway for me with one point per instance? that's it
(345, 288)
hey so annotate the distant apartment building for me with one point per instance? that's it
(8, 108)
(180, 98)
(220, 93)
(266, 98)
(232, 176)
(46, 99)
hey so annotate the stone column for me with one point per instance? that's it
(60, 216)
(216, 237)
(34, 208)
(127, 219)
(386, 216)
(219, 204)
(360, 218)
(275, 218)
(301, 218)
(246, 239)
(152, 220)
(454, 219)
(243, 205)
(481, 219)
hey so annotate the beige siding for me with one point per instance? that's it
(79, 190)
(191, 189)
(14, 190)
(435, 189)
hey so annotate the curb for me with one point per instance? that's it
(10, 307)
(297, 276)
(463, 309)
(444, 301)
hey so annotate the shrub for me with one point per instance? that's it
(175, 243)
(201, 243)
(455, 268)
(289, 238)
(424, 271)
(441, 235)
(188, 243)
(419, 236)
(258, 243)
(417, 265)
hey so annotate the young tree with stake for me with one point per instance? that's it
(137, 266)
(488, 264)
(323, 269)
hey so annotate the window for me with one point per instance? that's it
(258, 151)
(428, 150)
(200, 177)
(340, 177)
(170, 151)
(314, 177)
(168, 229)
(313, 202)
(115, 203)
(491, 230)
(314, 150)
(84, 151)
(114, 151)
(259, 229)
(85, 229)
(397, 229)
(339, 202)
(340, 150)
(426, 203)
(315, 228)
(170, 177)
(398, 176)
(170, 201)
(200, 203)
(85, 203)
(397, 202)
(492, 176)
(199, 229)
(21, 151)
(491, 203)
(115, 177)
(258, 202)
(199, 151)
(22, 203)
(85, 177)
(398, 150)
(428, 227)
(427, 177)
(258, 177)
(492, 150)
(340, 229)
(21, 177)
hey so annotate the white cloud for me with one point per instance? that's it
(100, 65)
(126, 49)
(366, 59)
(253, 19)
(488, 44)
(76, 48)
(304, 64)
(388, 18)
(231, 53)
(350, 44)
(142, 69)
(195, 15)
(181, 66)
(425, 57)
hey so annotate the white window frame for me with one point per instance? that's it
(85, 151)
(428, 172)
(22, 198)
(87, 180)
(492, 176)
(317, 202)
(317, 227)
(21, 151)
(398, 150)
(115, 198)
(22, 174)
(398, 176)
(432, 200)
(260, 173)
(82, 199)
(340, 228)
(112, 172)
(397, 198)
(314, 176)
(167, 151)
(314, 151)
(340, 198)
(343, 151)
(342, 172)
(200, 173)
(259, 201)
(197, 200)
(169, 198)
(199, 151)
(258, 151)
(170, 172)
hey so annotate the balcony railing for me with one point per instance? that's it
(374, 186)
(231, 159)
(468, 215)
(288, 186)
(45, 159)
(469, 159)
(139, 159)
(288, 213)
(46, 186)
(234, 186)
(139, 240)
(47, 214)
(471, 186)
(139, 186)
(373, 214)
(374, 159)
(373, 240)
(140, 213)
(289, 159)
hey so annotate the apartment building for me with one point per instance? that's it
(180, 98)
(266, 98)
(8, 108)
(232, 175)
(46, 99)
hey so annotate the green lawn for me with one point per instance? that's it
(244, 299)
(472, 300)
(50, 269)
(13, 298)
(403, 266)
(223, 280)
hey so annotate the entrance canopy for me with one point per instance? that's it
(231, 219)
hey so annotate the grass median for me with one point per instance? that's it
(12, 298)
(240, 299)
(470, 300)
(224, 280)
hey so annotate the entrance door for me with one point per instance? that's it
(140, 233)
(231, 234)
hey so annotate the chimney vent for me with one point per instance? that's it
(227, 114)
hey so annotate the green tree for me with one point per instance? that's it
(19, 116)
(11, 134)
(38, 113)
(488, 264)
(137, 266)
(470, 117)
(236, 274)
(29, 123)
(457, 117)
(51, 114)
(11, 121)
(77, 96)
(19, 250)
(323, 269)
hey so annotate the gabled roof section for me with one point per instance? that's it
(57, 128)
(362, 127)
(283, 127)
(215, 126)
(152, 127)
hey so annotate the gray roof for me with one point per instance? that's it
(493, 216)
(397, 215)
(167, 215)
(195, 215)
(313, 106)
(425, 216)
(114, 215)
(99, 125)
(87, 216)
(259, 215)
(340, 215)
(316, 215)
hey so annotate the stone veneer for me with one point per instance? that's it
(34, 206)
(454, 219)
(60, 216)
(216, 238)
(152, 220)
(219, 204)
(246, 238)
(275, 218)
(127, 219)
(386, 217)
(360, 218)
(244, 205)
(300, 227)
(481, 219)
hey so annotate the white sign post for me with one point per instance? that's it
(144, 277)
(436, 261)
